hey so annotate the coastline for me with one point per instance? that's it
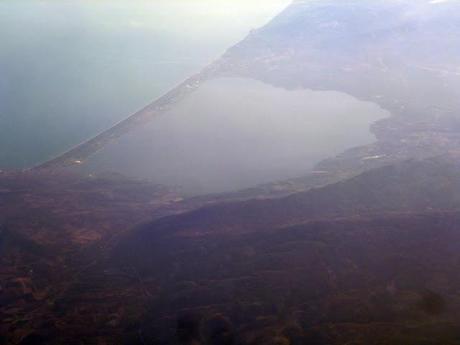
(80, 152)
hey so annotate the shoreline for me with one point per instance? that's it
(80, 152)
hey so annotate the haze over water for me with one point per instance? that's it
(70, 69)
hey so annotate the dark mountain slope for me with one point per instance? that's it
(54, 230)
(371, 260)
(407, 187)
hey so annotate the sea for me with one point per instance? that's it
(70, 69)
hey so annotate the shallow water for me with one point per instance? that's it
(235, 133)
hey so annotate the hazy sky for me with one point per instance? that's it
(206, 17)
(193, 15)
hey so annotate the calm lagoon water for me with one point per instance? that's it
(234, 133)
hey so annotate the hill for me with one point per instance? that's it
(370, 260)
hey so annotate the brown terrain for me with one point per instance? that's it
(370, 260)
(54, 228)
